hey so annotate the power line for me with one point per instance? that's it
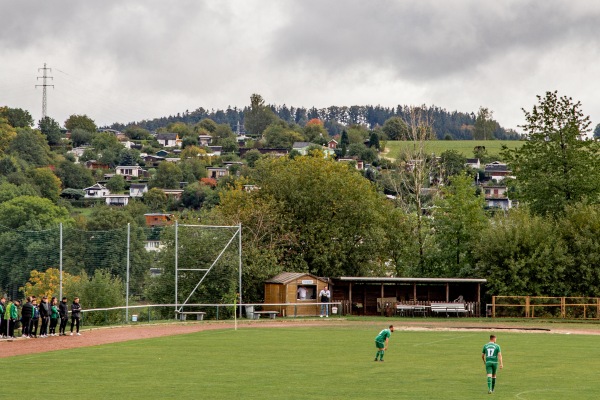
(44, 85)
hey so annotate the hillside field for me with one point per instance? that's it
(464, 147)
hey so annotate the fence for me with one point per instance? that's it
(190, 264)
(164, 312)
(546, 307)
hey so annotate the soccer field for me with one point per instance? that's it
(311, 363)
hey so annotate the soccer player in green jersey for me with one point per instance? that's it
(491, 355)
(381, 342)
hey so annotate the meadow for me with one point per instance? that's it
(464, 147)
(322, 362)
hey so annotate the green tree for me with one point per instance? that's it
(558, 165)
(206, 124)
(31, 146)
(116, 184)
(81, 122)
(32, 213)
(279, 135)
(580, 230)
(522, 255)
(17, 117)
(48, 184)
(374, 140)
(258, 116)
(135, 132)
(451, 163)
(597, 132)
(156, 200)
(458, 219)
(107, 145)
(252, 156)
(74, 176)
(395, 129)
(51, 130)
(7, 134)
(168, 176)
(80, 137)
(320, 200)
(484, 125)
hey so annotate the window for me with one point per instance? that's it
(306, 292)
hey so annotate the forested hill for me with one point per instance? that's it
(446, 124)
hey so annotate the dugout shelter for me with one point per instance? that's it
(299, 289)
(367, 295)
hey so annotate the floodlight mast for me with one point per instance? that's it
(44, 85)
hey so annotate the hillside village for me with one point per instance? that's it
(309, 200)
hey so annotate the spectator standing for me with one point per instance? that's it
(26, 314)
(75, 315)
(53, 315)
(35, 318)
(63, 312)
(2, 320)
(44, 309)
(12, 316)
(324, 296)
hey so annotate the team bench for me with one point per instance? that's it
(199, 314)
(271, 314)
(447, 308)
(405, 309)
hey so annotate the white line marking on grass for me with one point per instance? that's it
(518, 395)
(442, 340)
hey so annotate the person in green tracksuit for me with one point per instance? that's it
(11, 314)
(381, 342)
(53, 315)
(491, 356)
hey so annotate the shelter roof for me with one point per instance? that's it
(369, 279)
(287, 277)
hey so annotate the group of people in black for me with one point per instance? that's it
(46, 316)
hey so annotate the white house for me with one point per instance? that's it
(96, 192)
(169, 140)
(117, 200)
(137, 189)
(131, 171)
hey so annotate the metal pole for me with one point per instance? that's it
(60, 261)
(127, 287)
(176, 273)
(240, 265)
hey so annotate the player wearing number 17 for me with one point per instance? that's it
(491, 355)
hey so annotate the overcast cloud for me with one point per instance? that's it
(127, 60)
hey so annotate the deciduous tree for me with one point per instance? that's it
(558, 165)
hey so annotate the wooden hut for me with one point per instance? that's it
(300, 290)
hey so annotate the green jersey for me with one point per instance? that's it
(383, 335)
(491, 351)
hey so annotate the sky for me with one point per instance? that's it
(129, 60)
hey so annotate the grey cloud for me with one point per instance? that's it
(426, 39)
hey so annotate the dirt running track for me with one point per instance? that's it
(98, 336)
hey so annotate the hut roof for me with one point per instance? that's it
(287, 277)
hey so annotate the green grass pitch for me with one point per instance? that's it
(311, 363)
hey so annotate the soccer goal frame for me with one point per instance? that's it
(237, 233)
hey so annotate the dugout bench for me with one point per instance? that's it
(447, 308)
(412, 310)
(271, 314)
(182, 315)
